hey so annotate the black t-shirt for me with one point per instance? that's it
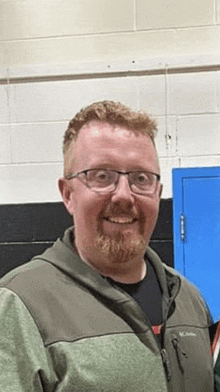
(147, 293)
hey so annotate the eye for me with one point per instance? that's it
(142, 179)
(100, 177)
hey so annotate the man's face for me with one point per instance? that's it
(116, 225)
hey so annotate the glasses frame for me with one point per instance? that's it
(71, 176)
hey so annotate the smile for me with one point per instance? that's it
(120, 219)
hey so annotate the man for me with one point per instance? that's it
(99, 311)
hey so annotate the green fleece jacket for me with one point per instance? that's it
(65, 328)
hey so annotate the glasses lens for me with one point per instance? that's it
(101, 179)
(143, 182)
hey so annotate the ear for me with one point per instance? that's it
(66, 193)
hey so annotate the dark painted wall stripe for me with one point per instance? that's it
(28, 229)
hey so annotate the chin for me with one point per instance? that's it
(120, 248)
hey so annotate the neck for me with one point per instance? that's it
(128, 276)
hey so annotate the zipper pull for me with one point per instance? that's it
(165, 361)
(179, 353)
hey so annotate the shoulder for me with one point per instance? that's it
(190, 298)
(33, 281)
(187, 295)
(39, 271)
(27, 275)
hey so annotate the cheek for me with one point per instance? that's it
(86, 209)
(150, 213)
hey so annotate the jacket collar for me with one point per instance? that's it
(168, 279)
(64, 257)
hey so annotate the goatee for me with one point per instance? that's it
(120, 247)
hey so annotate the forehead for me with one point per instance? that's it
(105, 145)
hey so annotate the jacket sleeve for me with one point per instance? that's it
(24, 362)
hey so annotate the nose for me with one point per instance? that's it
(123, 193)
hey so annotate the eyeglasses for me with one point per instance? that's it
(105, 180)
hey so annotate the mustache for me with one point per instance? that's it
(118, 210)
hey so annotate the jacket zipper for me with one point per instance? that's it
(163, 351)
(166, 365)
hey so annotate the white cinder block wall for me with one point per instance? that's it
(60, 55)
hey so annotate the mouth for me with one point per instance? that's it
(120, 219)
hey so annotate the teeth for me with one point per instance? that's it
(120, 219)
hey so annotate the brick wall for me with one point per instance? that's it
(77, 31)
(35, 113)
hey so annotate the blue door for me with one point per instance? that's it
(196, 198)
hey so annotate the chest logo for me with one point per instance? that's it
(186, 334)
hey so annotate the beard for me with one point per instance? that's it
(119, 247)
